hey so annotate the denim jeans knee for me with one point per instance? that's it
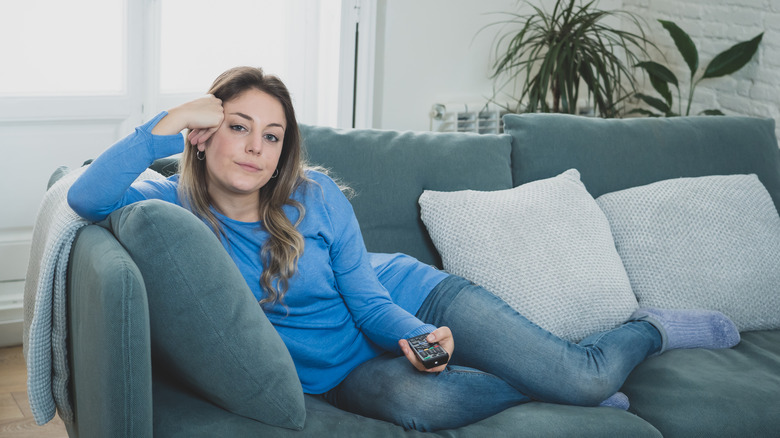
(391, 389)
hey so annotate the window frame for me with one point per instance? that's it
(141, 98)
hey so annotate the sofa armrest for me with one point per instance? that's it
(109, 343)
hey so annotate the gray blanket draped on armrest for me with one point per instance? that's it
(45, 311)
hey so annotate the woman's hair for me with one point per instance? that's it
(281, 251)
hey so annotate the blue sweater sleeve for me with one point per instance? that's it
(107, 184)
(369, 303)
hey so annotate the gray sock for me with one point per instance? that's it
(690, 328)
(617, 400)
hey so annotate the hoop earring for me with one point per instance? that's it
(200, 155)
(276, 173)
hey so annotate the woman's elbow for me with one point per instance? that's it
(82, 206)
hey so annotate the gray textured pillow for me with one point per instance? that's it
(544, 247)
(710, 242)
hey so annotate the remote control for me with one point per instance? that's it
(431, 355)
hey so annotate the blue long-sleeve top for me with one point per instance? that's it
(337, 312)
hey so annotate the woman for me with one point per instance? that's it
(295, 238)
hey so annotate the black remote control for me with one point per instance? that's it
(431, 355)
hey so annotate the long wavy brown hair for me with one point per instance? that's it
(281, 251)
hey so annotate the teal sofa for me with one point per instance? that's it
(119, 388)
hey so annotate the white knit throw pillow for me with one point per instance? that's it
(544, 247)
(711, 242)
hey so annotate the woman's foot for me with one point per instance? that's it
(618, 400)
(690, 328)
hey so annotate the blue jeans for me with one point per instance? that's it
(501, 359)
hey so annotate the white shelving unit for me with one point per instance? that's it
(482, 118)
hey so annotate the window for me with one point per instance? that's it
(150, 55)
(45, 54)
(238, 32)
(297, 40)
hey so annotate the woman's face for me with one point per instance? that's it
(244, 152)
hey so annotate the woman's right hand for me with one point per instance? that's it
(202, 117)
(442, 336)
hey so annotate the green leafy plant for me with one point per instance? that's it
(553, 53)
(725, 63)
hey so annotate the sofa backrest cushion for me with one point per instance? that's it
(615, 154)
(388, 171)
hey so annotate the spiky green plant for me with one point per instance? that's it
(551, 54)
(725, 63)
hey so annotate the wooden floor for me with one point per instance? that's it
(16, 420)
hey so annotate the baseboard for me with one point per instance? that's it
(11, 333)
(11, 312)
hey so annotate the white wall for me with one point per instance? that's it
(429, 52)
(32, 148)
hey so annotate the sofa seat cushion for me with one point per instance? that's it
(180, 413)
(615, 154)
(388, 170)
(713, 393)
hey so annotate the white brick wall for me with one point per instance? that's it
(714, 26)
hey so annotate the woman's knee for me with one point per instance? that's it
(403, 401)
(461, 396)
(427, 401)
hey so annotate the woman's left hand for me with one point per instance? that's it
(442, 336)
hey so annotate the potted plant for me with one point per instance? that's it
(550, 54)
(725, 63)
